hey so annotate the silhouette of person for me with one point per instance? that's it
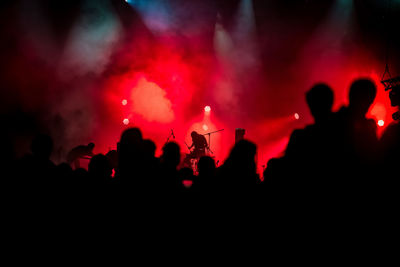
(304, 170)
(169, 181)
(359, 142)
(200, 145)
(151, 164)
(239, 172)
(309, 153)
(130, 158)
(206, 181)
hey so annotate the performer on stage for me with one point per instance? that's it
(200, 145)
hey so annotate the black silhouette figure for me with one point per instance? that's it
(206, 182)
(309, 156)
(239, 172)
(169, 181)
(131, 170)
(200, 145)
(358, 139)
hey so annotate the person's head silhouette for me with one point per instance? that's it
(320, 100)
(361, 96)
(171, 154)
(131, 136)
(194, 135)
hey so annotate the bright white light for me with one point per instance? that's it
(124, 102)
(125, 121)
(205, 127)
(207, 108)
(381, 123)
(296, 116)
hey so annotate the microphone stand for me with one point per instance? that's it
(209, 139)
(171, 134)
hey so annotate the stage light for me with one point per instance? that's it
(205, 127)
(125, 121)
(381, 123)
(296, 116)
(124, 102)
(207, 108)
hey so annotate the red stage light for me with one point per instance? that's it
(124, 102)
(125, 121)
(296, 116)
(381, 123)
(205, 127)
(207, 108)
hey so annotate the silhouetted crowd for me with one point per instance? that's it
(336, 159)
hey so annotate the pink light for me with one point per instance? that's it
(124, 102)
(207, 108)
(187, 183)
(205, 127)
(125, 121)
(296, 116)
(381, 123)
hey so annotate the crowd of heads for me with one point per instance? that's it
(337, 156)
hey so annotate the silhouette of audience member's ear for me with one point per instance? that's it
(42, 146)
(320, 101)
(361, 96)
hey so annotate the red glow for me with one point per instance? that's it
(150, 101)
(125, 121)
(167, 88)
(124, 102)
(381, 123)
(187, 183)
